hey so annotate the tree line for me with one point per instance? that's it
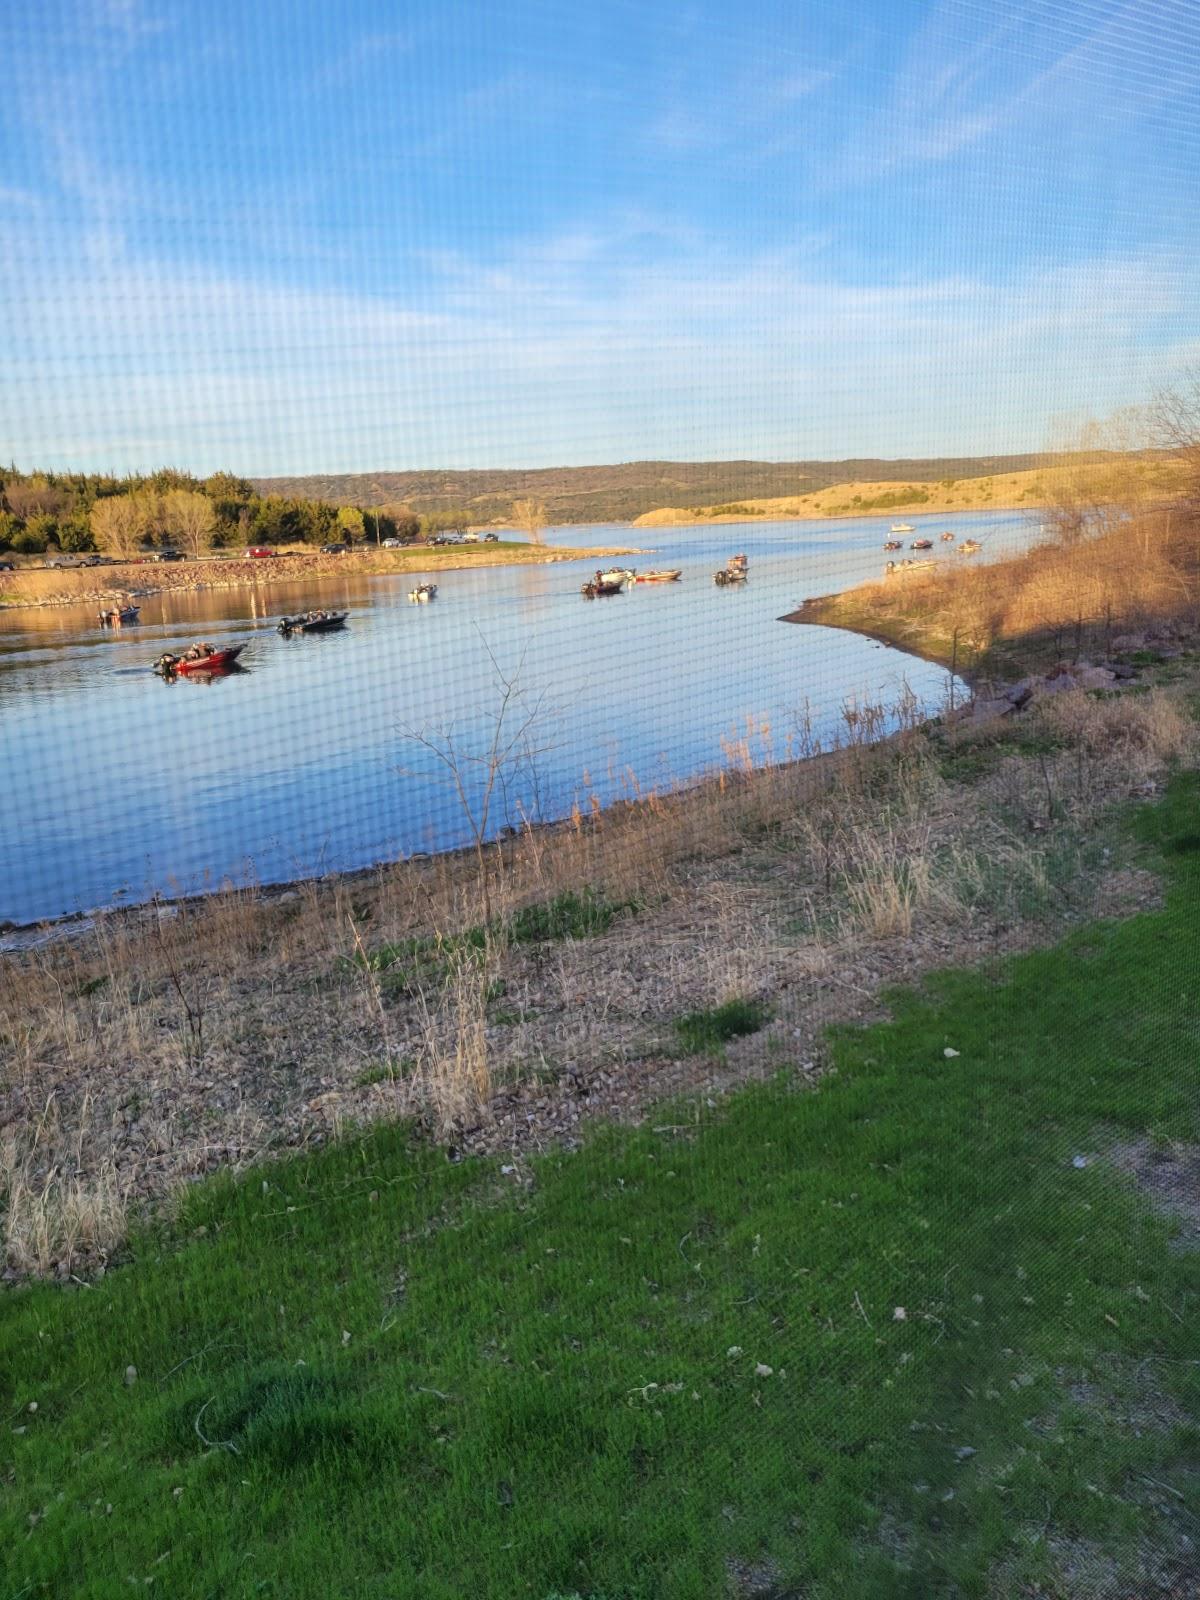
(77, 512)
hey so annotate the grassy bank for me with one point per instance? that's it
(34, 586)
(795, 1344)
(1058, 601)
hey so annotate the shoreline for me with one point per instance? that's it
(216, 573)
(815, 612)
(17, 938)
(815, 514)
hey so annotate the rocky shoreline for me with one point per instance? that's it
(138, 581)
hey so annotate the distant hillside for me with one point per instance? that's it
(625, 491)
(1097, 479)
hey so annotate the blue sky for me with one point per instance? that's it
(350, 236)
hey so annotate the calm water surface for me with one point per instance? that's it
(115, 785)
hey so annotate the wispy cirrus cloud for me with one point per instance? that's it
(1069, 68)
(753, 109)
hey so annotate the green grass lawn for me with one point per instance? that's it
(883, 1338)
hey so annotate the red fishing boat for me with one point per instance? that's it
(200, 658)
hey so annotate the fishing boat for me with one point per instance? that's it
(118, 616)
(657, 576)
(902, 527)
(969, 546)
(921, 544)
(423, 591)
(894, 544)
(604, 583)
(946, 538)
(313, 622)
(200, 658)
(907, 565)
(729, 575)
(738, 564)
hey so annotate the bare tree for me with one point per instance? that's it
(1175, 425)
(190, 518)
(480, 779)
(119, 524)
(1111, 474)
(530, 517)
(36, 498)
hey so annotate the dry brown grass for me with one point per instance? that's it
(62, 1205)
(1056, 600)
(1139, 733)
(453, 1077)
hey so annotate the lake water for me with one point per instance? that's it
(115, 785)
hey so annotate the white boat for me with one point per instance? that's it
(902, 527)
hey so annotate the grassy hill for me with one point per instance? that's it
(999, 489)
(627, 490)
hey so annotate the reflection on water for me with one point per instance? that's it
(115, 784)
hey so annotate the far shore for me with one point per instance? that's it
(685, 519)
(39, 587)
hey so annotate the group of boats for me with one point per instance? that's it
(968, 547)
(617, 579)
(204, 657)
(917, 544)
(206, 660)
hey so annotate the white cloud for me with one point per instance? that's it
(587, 345)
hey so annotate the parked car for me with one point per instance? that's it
(491, 538)
(169, 555)
(334, 549)
(392, 544)
(7, 566)
(449, 538)
(259, 552)
(62, 561)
